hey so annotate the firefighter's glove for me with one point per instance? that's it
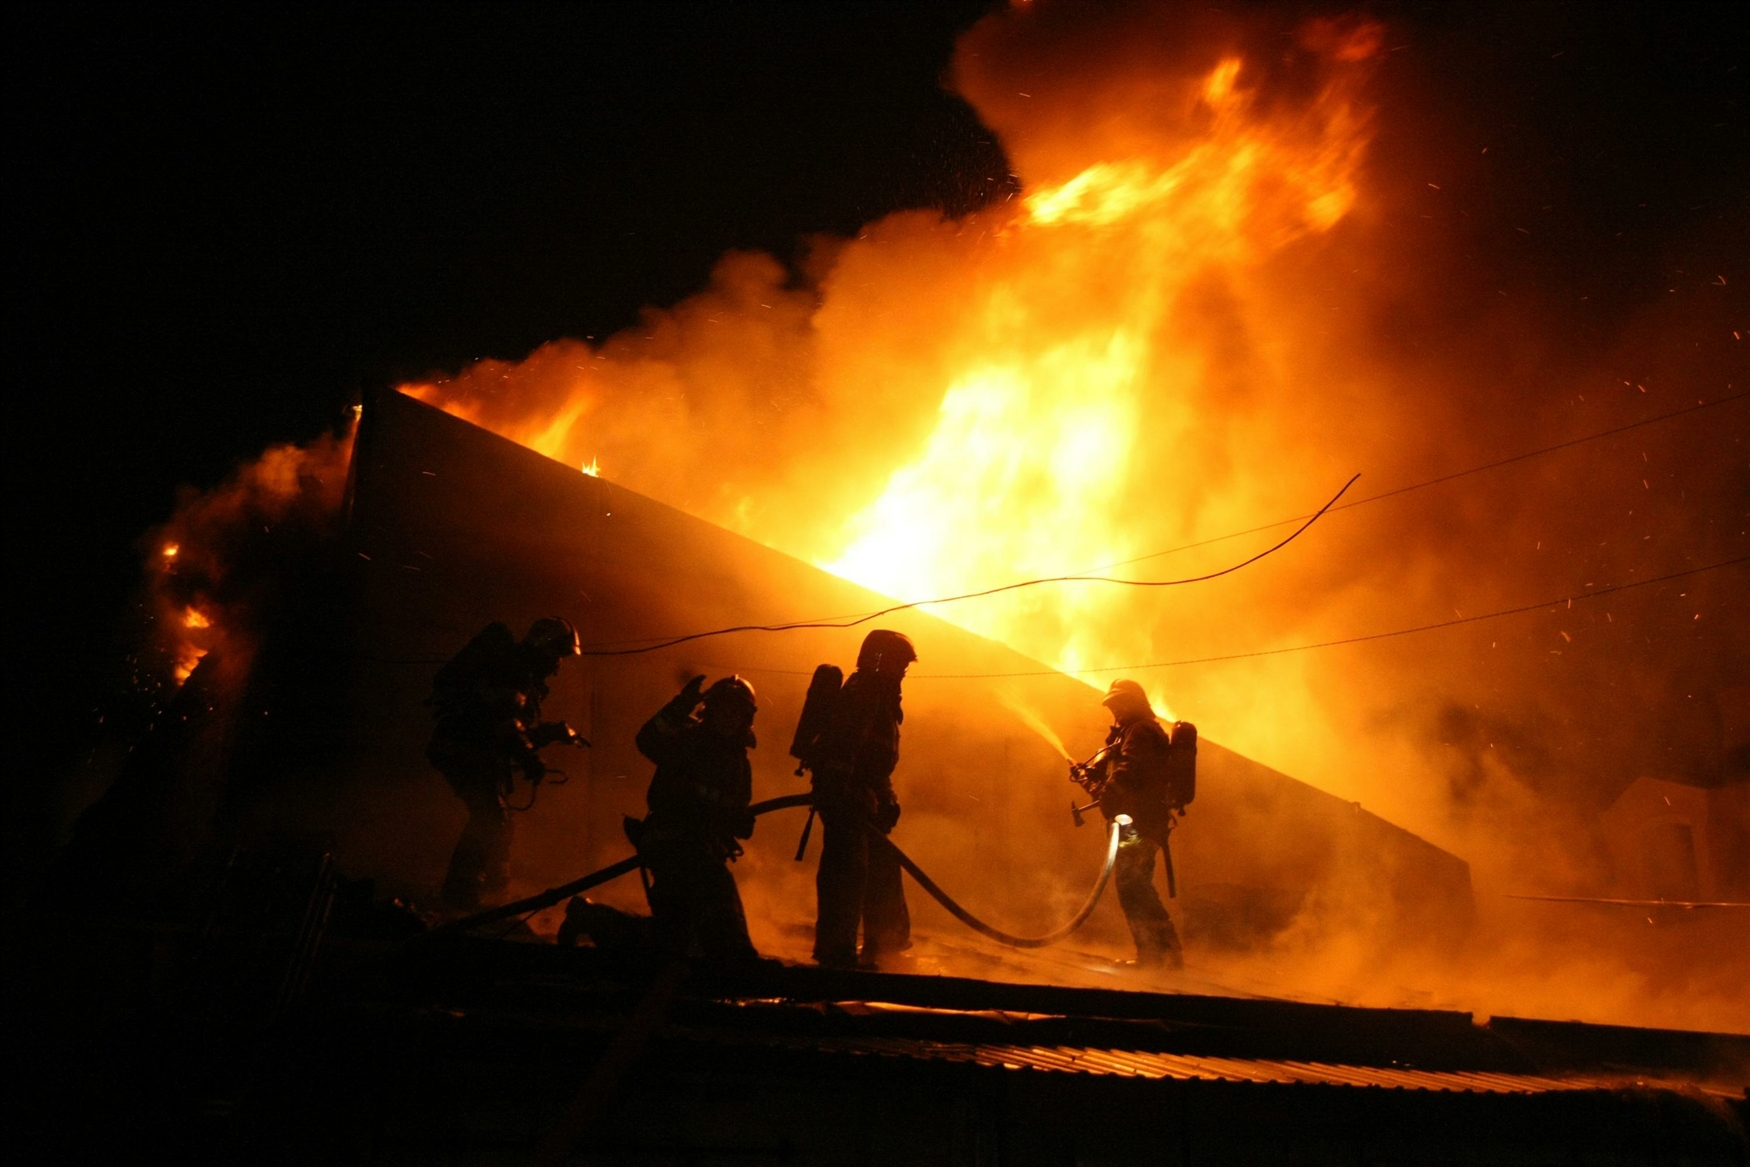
(534, 770)
(688, 699)
(743, 825)
(887, 813)
(554, 732)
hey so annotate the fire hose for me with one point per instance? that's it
(997, 934)
(632, 863)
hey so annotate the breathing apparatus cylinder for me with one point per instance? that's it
(817, 710)
(1182, 765)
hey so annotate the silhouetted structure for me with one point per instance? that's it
(281, 1013)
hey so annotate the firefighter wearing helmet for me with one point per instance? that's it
(699, 812)
(487, 701)
(1138, 783)
(858, 883)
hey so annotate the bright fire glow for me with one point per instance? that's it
(1048, 441)
(1022, 393)
(1199, 312)
(187, 657)
(1110, 364)
(201, 601)
(593, 468)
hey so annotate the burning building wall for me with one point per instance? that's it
(451, 527)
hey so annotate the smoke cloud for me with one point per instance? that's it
(1242, 266)
(216, 570)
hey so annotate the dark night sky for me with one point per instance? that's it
(227, 221)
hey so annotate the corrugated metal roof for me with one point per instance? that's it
(1186, 1067)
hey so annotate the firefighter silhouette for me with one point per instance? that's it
(852, 756)
(487, 701)
(698, 801)
(1139, 782)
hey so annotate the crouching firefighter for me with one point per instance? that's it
(698, 803)
(487, 701)
(849, 738)
(1146, 772)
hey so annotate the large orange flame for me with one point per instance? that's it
(1072, 392)
(1201, 313)
(972, 402)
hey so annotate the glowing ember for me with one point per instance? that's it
(593, 468)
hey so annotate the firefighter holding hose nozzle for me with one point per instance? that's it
(487, 700)
(849, 738)
(1148, 773)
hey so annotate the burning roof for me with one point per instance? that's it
(451, 527)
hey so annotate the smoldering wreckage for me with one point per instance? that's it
(270, 931)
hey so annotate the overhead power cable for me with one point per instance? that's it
(1495, 465)
(853, 621)
(1204, 660)
(1686, 905)
(601, 647)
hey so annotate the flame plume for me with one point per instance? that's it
(1213, 297)
(965, 403)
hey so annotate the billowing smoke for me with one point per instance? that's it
(1241, 267)
(1214, 299)
(216, 570)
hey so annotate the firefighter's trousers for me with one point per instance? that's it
(858, 883)
(694, 899)
(1157, 942)
(480, 864)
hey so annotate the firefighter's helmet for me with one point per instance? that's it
(731, 690)
(555, 637)
(886, 651)
(1125, 695)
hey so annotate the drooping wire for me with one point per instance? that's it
(520, 921)
(1384, 494)
(853, 621)
(1203, 660)
(600, 647)
(535, 790)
